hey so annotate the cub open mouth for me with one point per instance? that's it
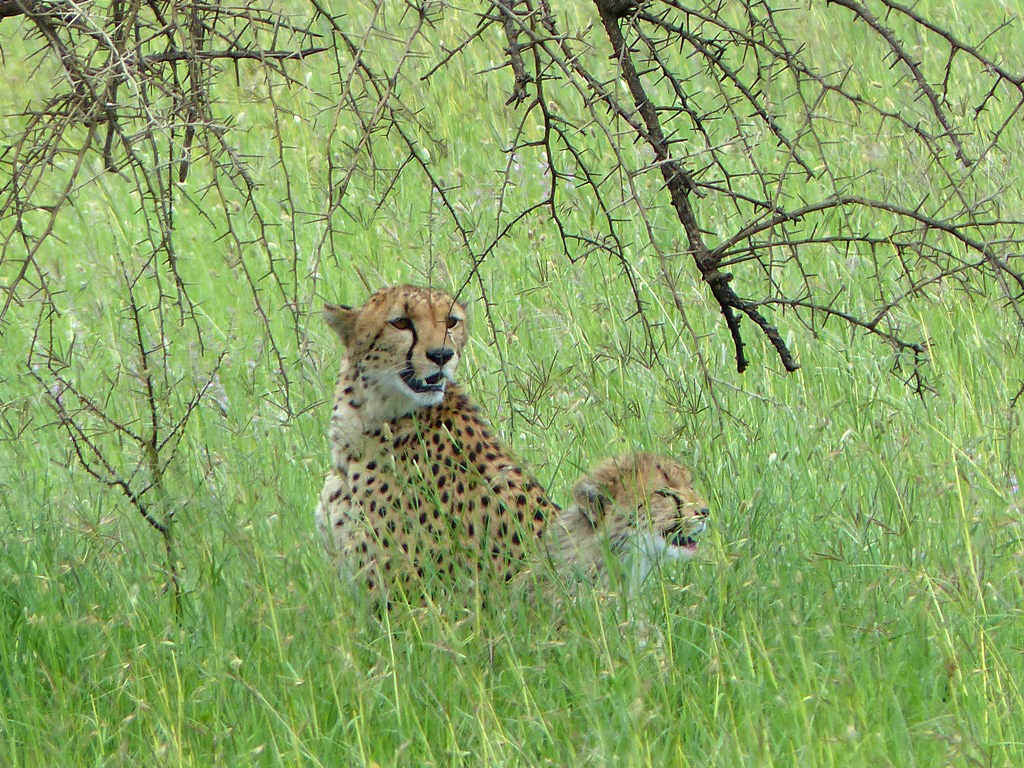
(685, 542)
(680, 538)
(433, 383)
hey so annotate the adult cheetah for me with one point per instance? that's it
(419, 485)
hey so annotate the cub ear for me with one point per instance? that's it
(591, 500)
(342, 319)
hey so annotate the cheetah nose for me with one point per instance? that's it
(440, 355)
(702, 512)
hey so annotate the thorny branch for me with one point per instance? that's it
(658, 49)
(130, 85)
(755, 64)
(98, 431)
(680, 186)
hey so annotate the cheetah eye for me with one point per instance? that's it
(402, 323)
(453, 321)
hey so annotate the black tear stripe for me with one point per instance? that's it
(412, 328)
(447, 330)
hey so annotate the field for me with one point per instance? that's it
(857, 601)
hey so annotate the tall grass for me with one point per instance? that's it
(857, 601)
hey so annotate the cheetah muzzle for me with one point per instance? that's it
(434, 383)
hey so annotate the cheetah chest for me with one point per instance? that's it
(436, 497)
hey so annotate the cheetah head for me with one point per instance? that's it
(404, 342)
(643, 506)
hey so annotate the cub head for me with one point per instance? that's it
(405, 342)
(642, 505)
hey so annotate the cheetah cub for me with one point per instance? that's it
(640, 509)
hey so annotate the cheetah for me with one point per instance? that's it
(420, 487)
(640, 509)
(419, 484)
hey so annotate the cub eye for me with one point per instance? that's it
(671, 495)
(402, 323)
(453, 321)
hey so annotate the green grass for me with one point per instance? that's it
(858, 601)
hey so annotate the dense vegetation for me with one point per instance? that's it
(857, 601)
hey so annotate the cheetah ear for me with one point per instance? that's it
(591, 500)
(342, 319)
